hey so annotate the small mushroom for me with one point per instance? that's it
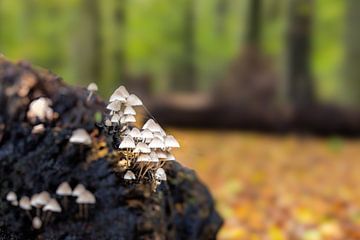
(119, 94)
(133, 100)
(64, 190)
(25, 204)
(127, 143)
(129, 110)
(49, 208)
(80, 136)
(39, 200)
(171, 142)
(84, 199)
(114, 106)
(12, 198)
(92, 88)
(160, 174)
(135, 133)
(142, 148)
(40, 109)
(146, 135)
(78, 190)
(156, 143)
(38, 129)
(129, 175)
(36, 223)
(129, 119)
(170, 157)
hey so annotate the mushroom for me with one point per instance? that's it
(129, 110)
(171, 142)
(84, 199)
(127, 143)
(114, 106)
(129, 119)
(115, 118)
(64, 190)
(12, 198)
(135, 133)
(80, 136)
(78, 190)
(92, 88)
(170, 157)
(39, 200)
(133, 100)
(25, 204)
(146, 135)
(119, 94)
(143, 160)
(38, 129)
(142, 148)
(40, 109)
(129, 175)
(156, 143)
(148, 123)
(51, 206)
(36, 223)
(160, 174)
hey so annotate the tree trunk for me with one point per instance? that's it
(222, 9)
(300, 85)
(253, 36)
(184, 78)
(352, 55)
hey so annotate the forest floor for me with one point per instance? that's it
(278, 187)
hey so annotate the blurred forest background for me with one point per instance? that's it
(250, 64)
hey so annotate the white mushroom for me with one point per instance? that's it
(160, 174)
(85, 198)
(119, 94)
(50, 207)
(11, 196)
(92, 88)
(154, 157)
(40, 108)
(38, 129)
(170, 157)
(156, 143)
(36, 223)
(80, 136)
(115, 118)
(78, 190)
(114, 106)
(126, 143)
(135, 133)
(171, 142)
(143, 158)
(25, 204)
(161, 154)
(129, 110)
(64, 190)
(129, 175)
(142, 148)
(133, 100)
(146, 134)
(129, 119)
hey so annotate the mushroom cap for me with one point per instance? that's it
(152, 126)
(154, 157)
(146, 134)
(15, 203)
(127, 142)
(171, 142)
(122, 91)
(40, 108)
(86, 197)
(156, 143)
(135, 133)
(115, 118)
(40, 128)
(129, 110)
(114, 106)
(80, 136)
(133, 100)
(52, 206)
(159, 135)
(36, 223)
(142, 148)
(78, 190)
(40, 199)
(160, 174)
(129, 119)
(25, 203)
(64, 189)
(170, 157)
(92, 87)
(108, 122)
(161, 154)
(11, 196)
(143, 158)
(129, 175)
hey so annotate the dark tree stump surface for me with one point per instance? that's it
(182, 208)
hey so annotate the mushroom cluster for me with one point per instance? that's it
(40, 110)
(41, 207)
(142, 152)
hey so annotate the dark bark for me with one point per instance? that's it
(300, 79)
(29, 163)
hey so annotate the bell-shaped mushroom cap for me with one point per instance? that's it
(154, 157)
(52, 206)
(129, 110)
(120, 92)
(133, 100)
(156, 143)
(159, 135)
(78, 190)
(108, 122)
(86, 197)
(114, 106)
(43, 198)
(11, 196)
(92, 87)
(142, 148)
(171, 142)
(170, 157)
(64, 189)
(147, 123)
(129, 175)
(144, 158)
(152, 126)
(24, 203)
(129, 119)
(146, 134)
(80, 136)
(115, 118)
(161, 154)
(38, 129)
(40, 108)
(36, 223)
(135, 133)
(127, 142)
(160, 174)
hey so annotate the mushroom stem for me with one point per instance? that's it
(65, 202)
(90, 95)
(47, 217)
(80, 210)
(38, 212)
(28, 214)
(85, 211)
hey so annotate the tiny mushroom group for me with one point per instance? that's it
(41, 207)
(40, 110)
(143, 151)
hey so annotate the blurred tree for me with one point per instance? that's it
(120, 40)
(352, 54)
(254, 23)
(184, 72)
(222, 9)
(300, 80)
